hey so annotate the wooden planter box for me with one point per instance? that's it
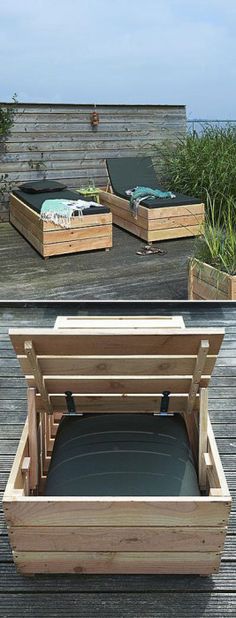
(154, 224)
(85, 234)
(115, 365)
(208, 283)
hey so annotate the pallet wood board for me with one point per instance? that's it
(208, 283)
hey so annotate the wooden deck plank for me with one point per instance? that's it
(119, 273)
(118, 605)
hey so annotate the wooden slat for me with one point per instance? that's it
(33, 439)
(217, 467)
(198, 371)
(105, 403)
(69, 511)
(118, 562)
(74, 246)
(116, 384)
(117, 365)
(103, 538)
(92, 232)
(125, 322)
(203, 425)
(156, 342)
(36, 370)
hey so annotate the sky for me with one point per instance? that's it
(122, 51)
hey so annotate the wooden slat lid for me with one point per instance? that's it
(116, 364)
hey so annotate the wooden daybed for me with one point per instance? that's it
(160, 219)
(154, 374)
(91, 231)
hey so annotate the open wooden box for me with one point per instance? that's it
(116, 365)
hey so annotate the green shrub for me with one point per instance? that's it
(7, 115)
(202, 165)
(217, 245)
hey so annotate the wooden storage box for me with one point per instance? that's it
(154, 224)
(86, 233)
(116, 365)
(209, 283)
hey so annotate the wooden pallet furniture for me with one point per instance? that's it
(115, 365)
(86, 233)
(178, 219)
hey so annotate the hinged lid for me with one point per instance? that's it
(117, 364)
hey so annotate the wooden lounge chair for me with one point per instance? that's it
(91, 231)
(159, 219)
(117, 469)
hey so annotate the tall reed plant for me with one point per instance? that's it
(202, 165)
(217, 245)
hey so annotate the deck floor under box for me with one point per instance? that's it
(86, 233)
(103, 361)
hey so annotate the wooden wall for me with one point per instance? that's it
(57, 141)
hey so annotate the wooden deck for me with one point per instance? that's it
(119, 596)
(117, 274)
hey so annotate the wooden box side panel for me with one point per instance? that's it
(27, 222)
(97, 535)
(156, 223)
(76, 246)
(118, 511)
(207, 283)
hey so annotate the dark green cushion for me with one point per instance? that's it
(42, 186)
(129, 172)
(35, 200)
(122, 455)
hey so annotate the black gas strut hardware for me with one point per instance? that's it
(164, 402)
(70, 403)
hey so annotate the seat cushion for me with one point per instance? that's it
(122, 455)
(35, 200)
(129, 172)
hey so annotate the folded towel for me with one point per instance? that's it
(61, 211)
(139, 194)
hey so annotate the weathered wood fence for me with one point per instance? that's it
(57, 141)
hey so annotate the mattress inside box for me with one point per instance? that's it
(35, 200)
(129, 172)
(122, 455)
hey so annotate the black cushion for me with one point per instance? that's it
(122, 455)
(42, 186)
(129, 172)
(35, 200)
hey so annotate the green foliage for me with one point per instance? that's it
(7, 118)
(217, 245)
(202, 165)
